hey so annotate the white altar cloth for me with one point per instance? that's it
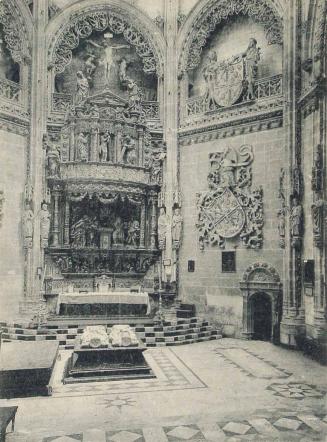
(140, 298)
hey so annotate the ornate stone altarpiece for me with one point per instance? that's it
(230, 208)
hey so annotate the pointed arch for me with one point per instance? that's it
(207, 14)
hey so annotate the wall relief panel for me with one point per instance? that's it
(230, 208)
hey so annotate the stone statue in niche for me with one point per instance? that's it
(122, 71)
(158, 157)
(296, 219)
(118, 235)
(134, 95)
(163, 222)
(317, 209)
(176, 228)
(44, 225)
(104, 147)
(53, 159)
(82, 143)
(90, 65)
(133, 237)
(281, 226)
(107, 56)
(82, 88)
(83, 232)
(128, 152)
(28, 226)
(317, 169)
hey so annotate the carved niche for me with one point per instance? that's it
(217, 11)
(82, 25)
(318, 206)
(230, 208)
(281, 214)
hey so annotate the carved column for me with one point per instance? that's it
(142, 225)
(94, 144)
(292, 321)
(170, 119)
(140, 132)
(118, 141)
(36, 166)
(247, 326)
(72, 155)
(55, 224)
(153, 222)
(67, 222)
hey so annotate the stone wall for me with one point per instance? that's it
(12, 161)
(208, 287)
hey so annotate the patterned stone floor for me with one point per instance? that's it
(225, 390)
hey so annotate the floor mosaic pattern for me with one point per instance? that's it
(294, 390)
(283, 427)
(171, 374)
(251, 363)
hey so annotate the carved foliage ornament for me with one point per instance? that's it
(219, 11)
(15, 32)
(230, 208)
(261, 272)
(82, 26)
(320, 30)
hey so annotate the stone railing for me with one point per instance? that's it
(10, 90)
(61, 102)
(264, 88)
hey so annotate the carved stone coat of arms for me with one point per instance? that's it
(230, 209)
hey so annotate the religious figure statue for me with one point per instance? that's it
(118, 234)
(251, 57)
(53, 159)
(107, 58)
(133, 233)
(209, 72)
(317, 209)
(296, 218)
(177, 226)
(317, 169)
(135, 95)
(281, 226)
(163, 222)
(158, 157)
(82, 147)
(28, 226)
(90, 66)
(44, 225)
(122, 71)
(83, 87)
(128, 152)
(83, 232)
(104, 146)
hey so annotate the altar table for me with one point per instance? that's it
(117, 298)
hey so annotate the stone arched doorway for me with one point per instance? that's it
(262, 300)
(261, 312)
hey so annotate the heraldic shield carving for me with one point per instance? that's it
(230, 209)
(223, 213)
(226, 85)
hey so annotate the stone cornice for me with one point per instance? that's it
(226, 126)
(308, 102)
(14, 125)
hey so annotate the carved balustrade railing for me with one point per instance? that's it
(10, 90)
(264, 88)
(61, 103)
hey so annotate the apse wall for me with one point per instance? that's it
(12, 161)
(208, 287)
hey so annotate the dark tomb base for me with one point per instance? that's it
(106, 310)
(107, 364)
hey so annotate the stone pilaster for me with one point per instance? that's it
(170, 118)
(292, 321)
(36, 165)
(142, 225)
(67, 222)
